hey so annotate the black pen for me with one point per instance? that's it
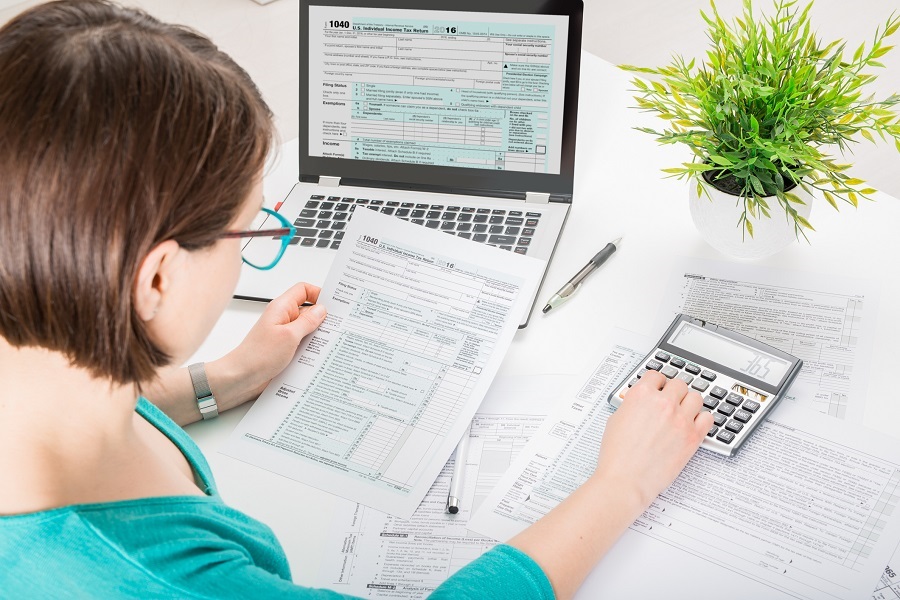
(567, 290)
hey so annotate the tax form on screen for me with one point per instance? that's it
(439, 88)
(375, 401)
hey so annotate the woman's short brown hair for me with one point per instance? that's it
(117, 132)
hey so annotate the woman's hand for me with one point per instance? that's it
(270, 344)
(652, 435)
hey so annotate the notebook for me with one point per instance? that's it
(458, 117)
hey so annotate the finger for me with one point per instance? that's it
(692, 404)
(653, 379)
(291, 300)
(703, 422)
(308, 320)
(675, 389)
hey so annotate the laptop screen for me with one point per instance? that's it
(437, 88)
(455, 96)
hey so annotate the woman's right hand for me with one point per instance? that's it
(652, 435)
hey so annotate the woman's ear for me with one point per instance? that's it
(154, 279)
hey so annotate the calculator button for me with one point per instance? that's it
(669, 371)
(718, 392)
(725, 436)
(726, 409)
(708, 375)
(734, 426)
(641, 373)
(710, 403)
(632, 382)
(751, 406)
(700, 385)
(734, 399)
(719, 419)
(677, 363)
(692, 369)
(712, 431)
(742, 415)
(654, 365)
(662, 356)
(685, 378)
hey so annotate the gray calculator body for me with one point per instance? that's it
(741, 379)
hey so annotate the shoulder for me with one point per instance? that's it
(151, 547)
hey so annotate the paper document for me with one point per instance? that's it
(827, 322)
(374, 555)
(807, 508)
(376, 400)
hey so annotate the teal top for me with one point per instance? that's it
(192, 547)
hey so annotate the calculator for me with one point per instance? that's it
(741, 379)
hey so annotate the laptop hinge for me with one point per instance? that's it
(536, 198)
(328, 181)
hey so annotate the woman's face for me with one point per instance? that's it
(202, 284)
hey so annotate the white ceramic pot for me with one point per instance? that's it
(716, 216)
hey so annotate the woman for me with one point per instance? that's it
(130, 163)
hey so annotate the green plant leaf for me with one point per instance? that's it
(803, 222)
(720, 160)
(853, 199)
(830, 197)
(748, 226)
(867, 134)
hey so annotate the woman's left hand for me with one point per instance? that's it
(271, 343)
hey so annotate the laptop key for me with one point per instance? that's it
(438, 207)
(495, 220)
(432, 224)
(448, 226)
(322, 224)
(362, 201)
(506, 247)
(304, 232)
(464, 217)
(524, 241)
(316, 197)
(448, 216)
(333, 198)
(480, 218)
(294, 241)
(464, 227)
(480, 228)
(305, 223)
(326, 233)
(417, 214)
(308, 213)
(521, 250)
(307, 241)
(433, 214)
(515, 213)
(312, 204)
(327, 205)
(376, 202)
(514, 221)
(340, 216)
(528, 231)
(335, 244)
(418, 221)
(422, 206)
(468, 209)
(338, 235)
(322, 243)
(465, 234)
(372, 207)
(387, 210)
(479, 237)
(339, 224)
(496, 229)
(325, 214)
(394, 204)
(502, 239)
(453, 208)
(531, 222)
(536, 215)
(512, 230)
(483, 211)
(342, 207)
(402, 212)
(498, 211)
(407, 205)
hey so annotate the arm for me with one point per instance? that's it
(646, 444)
(244, 372)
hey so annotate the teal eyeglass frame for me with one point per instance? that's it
(286, 232)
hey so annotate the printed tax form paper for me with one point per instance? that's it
(375, 401)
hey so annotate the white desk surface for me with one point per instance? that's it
(619, 191)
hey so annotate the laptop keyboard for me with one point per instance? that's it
(322, 221)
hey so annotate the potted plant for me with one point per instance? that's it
(761, 116)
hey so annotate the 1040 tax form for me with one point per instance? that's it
(375, 401)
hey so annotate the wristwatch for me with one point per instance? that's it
(205, 400)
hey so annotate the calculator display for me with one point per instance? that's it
(734, 355)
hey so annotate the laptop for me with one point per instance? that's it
(456, 115)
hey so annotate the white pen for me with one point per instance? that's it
(459, 472)
(567, 290)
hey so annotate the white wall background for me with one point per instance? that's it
(263, 39)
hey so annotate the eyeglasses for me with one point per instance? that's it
(264, 255)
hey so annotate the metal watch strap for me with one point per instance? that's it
(205, 400)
